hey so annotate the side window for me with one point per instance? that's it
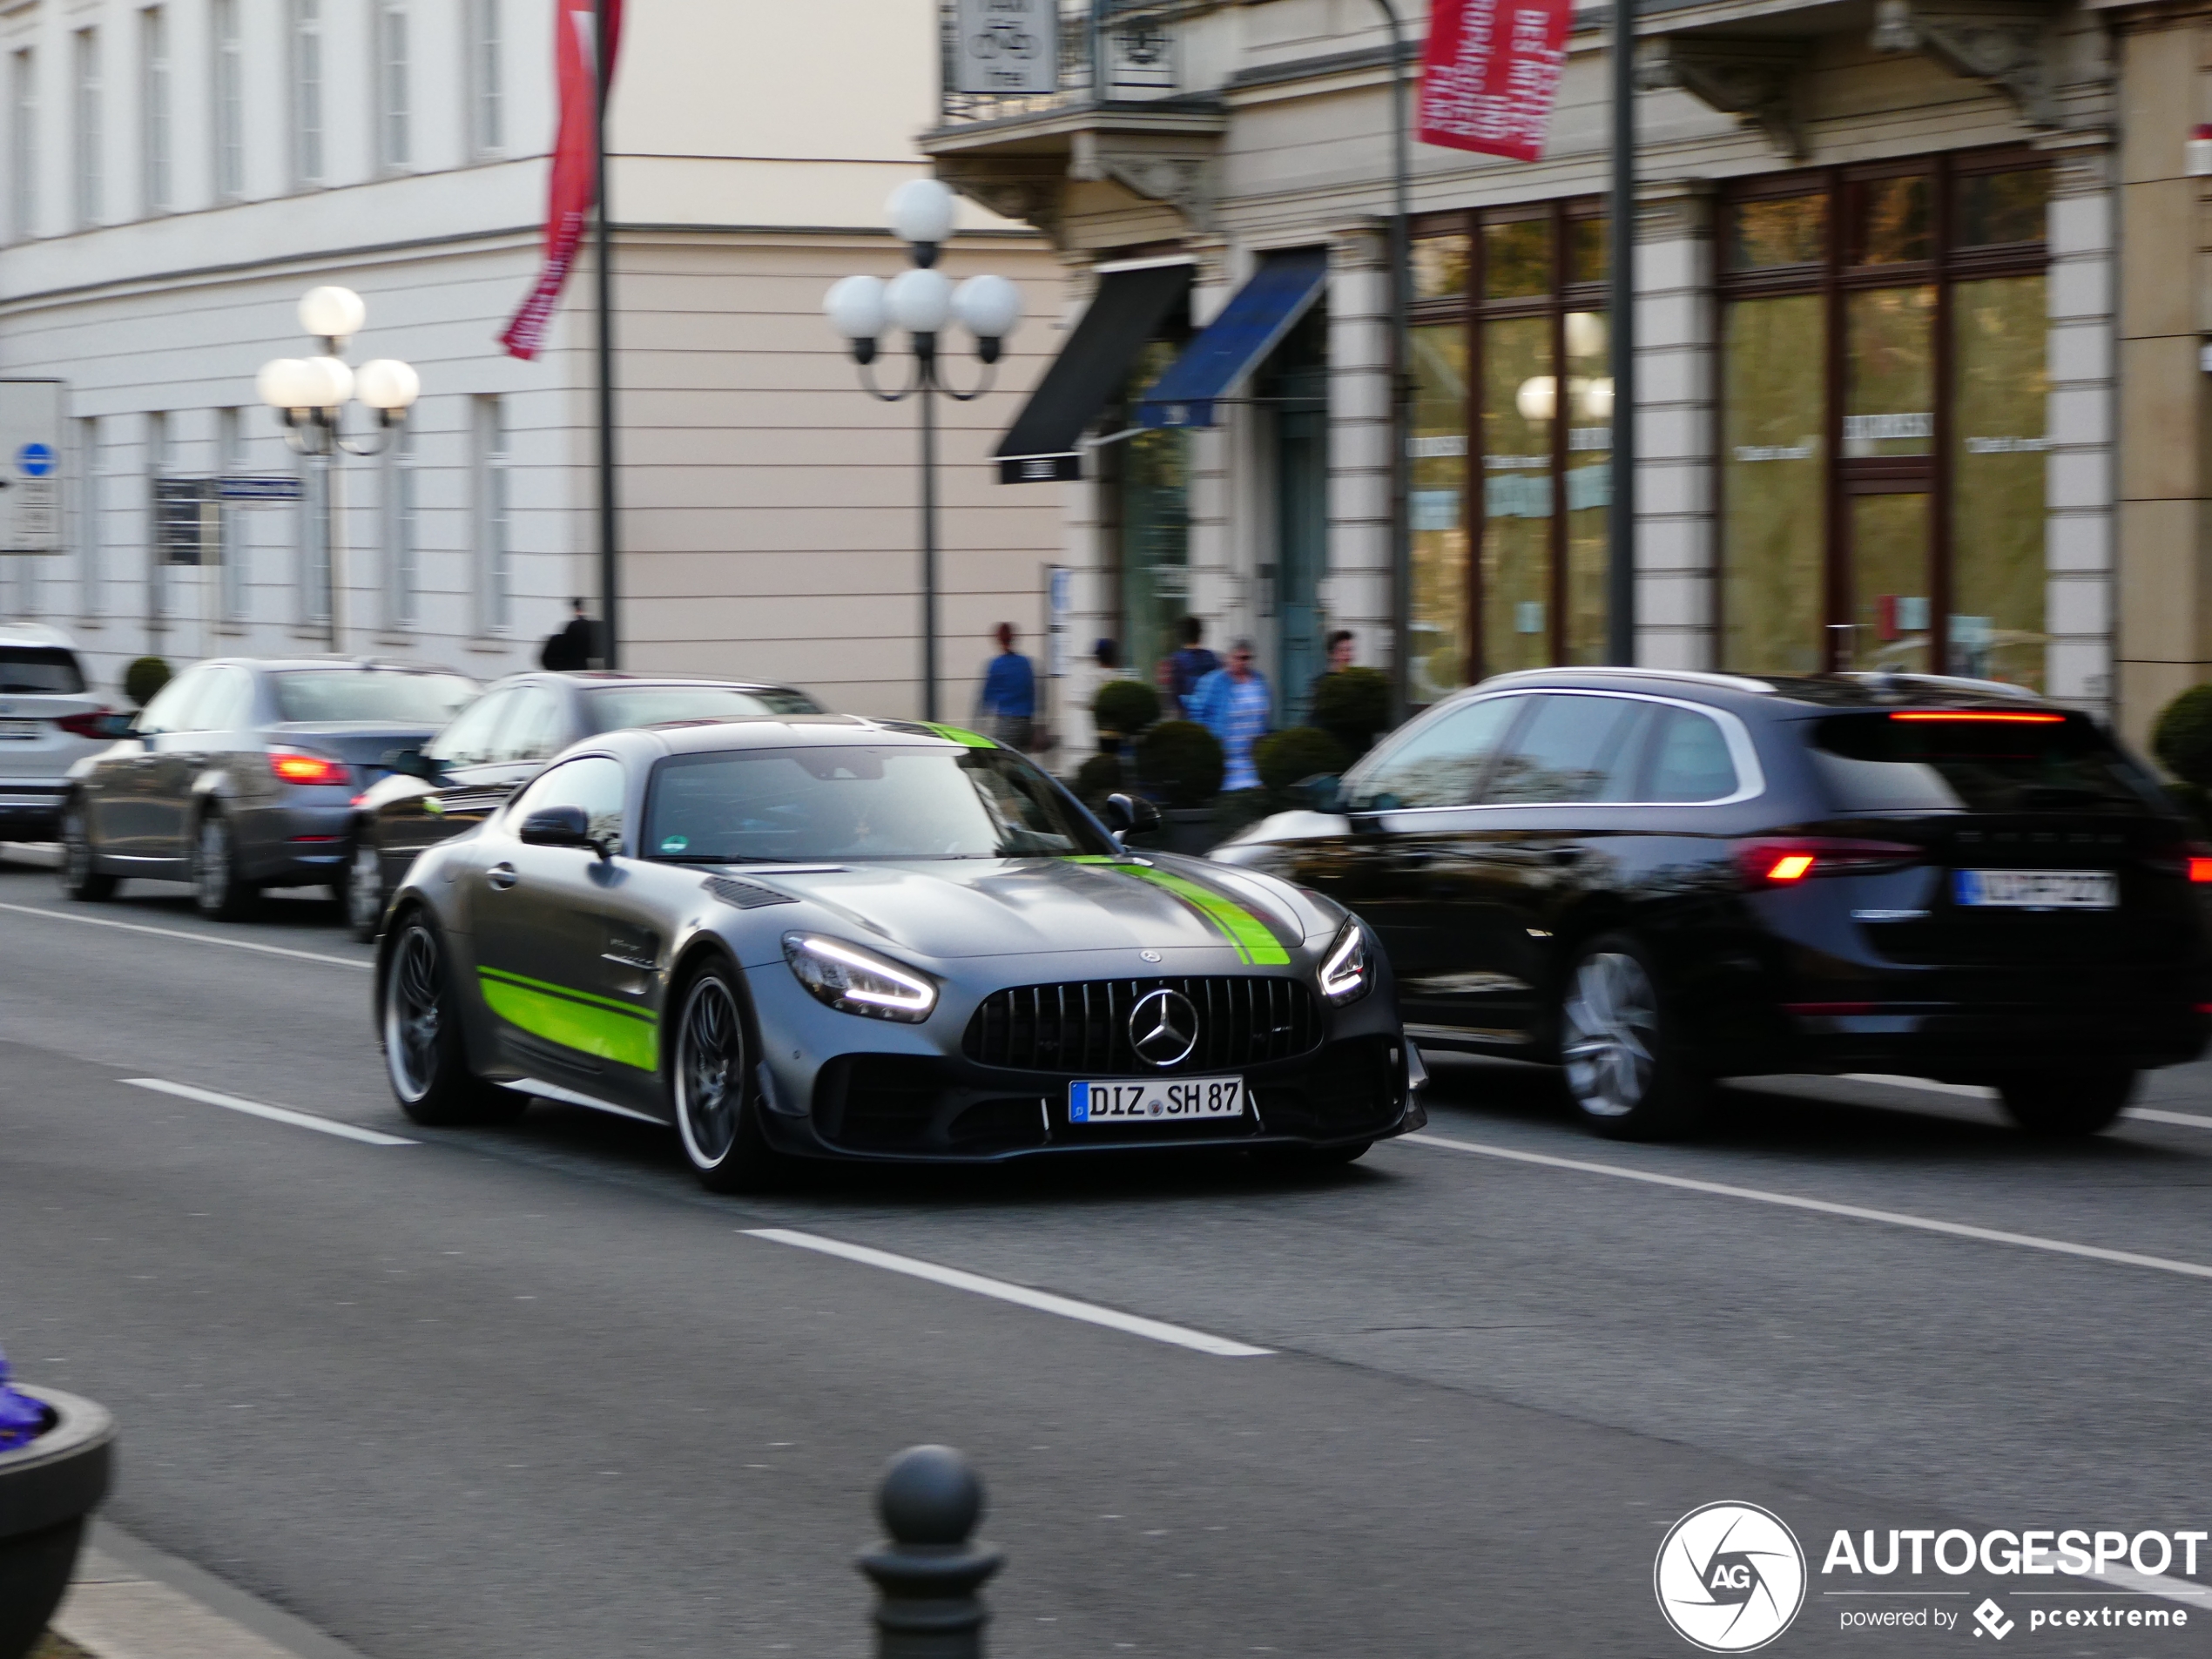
(1571, 749)
(172, 708)
(228, 705)
(594, 783)
(534, 728)
(1689, 758)
(467, 740)
(1438, 764)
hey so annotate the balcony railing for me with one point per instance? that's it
(1107, 51)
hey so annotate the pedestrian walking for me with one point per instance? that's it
(1342, 649)
(1234, 703)
(574, 646)
(1007, 708)
(1185, 668)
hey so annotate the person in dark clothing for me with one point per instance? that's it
(1187, 667)
(1341, 650)
(573, 647)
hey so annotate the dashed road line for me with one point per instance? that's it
(1982, 1091)
(275, 1114)
(196, 939)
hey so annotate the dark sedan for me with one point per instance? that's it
(1655, 879)
(241, 774)
(498, 743)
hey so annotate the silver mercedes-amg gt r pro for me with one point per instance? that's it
(829, 937)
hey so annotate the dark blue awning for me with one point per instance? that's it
(1249, 327)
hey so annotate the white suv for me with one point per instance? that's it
(47, 711)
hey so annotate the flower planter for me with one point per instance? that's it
(47, 1491)
(1194, 829)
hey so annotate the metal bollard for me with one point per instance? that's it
(927, 1573)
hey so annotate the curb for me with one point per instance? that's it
(128, 1600)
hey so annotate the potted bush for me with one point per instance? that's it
(1121, 709)
(55, 1457)
(1179, 764)
(1288, 758)
(2182, 741)
(144, 678)
(1352, 705)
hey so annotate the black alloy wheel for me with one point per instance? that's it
(424, 1053)
(218, 889)
(709, 1084)
(79, 880)
(362, 891)
(2066, 1102)
(1616, 1047)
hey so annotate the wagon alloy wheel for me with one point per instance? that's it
(365, 892)
(720, 1133)
(1625, 1070)
(79, 880)
(411, 1015)
(216, 888)
(1611, 1021)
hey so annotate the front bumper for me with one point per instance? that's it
(31, 810)
(909, 1107)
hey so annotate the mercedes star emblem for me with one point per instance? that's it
(1163, 1028)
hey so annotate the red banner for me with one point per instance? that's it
(575, 184)
(1490, 72)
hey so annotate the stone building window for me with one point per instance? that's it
(1882, 383)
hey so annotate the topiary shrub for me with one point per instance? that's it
(1097, 777)
(1286, 757)
(1352, 705)
(2182, 738)
(144, 678)
(1179, 762)
(1125, 707)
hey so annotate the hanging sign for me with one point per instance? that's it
(1490, 72)
(1006, 46)
(31, 468)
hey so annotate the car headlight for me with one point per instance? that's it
(1348, 971)
(859, 981)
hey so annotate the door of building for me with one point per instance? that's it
(1302, 536)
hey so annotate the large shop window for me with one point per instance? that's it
(1882, 418)
(1511, 389)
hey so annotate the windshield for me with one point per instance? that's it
(395, 696)
(29, 670)
(861, 803)
(1937, 761)
(616, 707)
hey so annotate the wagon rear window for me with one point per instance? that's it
(1931, 760)
(31, 670)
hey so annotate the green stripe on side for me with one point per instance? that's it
(1247, 933)
(589, 1025)
(958, 734)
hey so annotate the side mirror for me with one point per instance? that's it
(558, 826)
(1130, 814)
(411, 763)
(1323, 792)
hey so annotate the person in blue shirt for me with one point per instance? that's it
(1007, 708)
(1234, 703)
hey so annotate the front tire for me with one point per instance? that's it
(1623, 1068)
(218, 889)
(2063, 1104)
(363, 892)
(709, 1086)
(424, 1057)
(79, 880)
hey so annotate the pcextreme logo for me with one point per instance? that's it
(1729, 1577)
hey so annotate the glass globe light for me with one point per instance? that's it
(283, 383)
(1597, 399)
(328, 383)
(919, 211)
(387, 384)
(854, 307)
(332, 313)
(987, 306)
(1585, 333)
(919, 301)
(1538, 398)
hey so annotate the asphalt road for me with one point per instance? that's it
(530, 1392)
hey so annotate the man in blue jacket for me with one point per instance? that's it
(1234, 703)
(1007, 707)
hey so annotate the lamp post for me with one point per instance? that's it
(922, 301)
(310, 395)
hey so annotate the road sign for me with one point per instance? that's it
(30, 473)
(243, 488)
(1006, 46)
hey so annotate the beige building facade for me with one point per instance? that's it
(1883, 340)
(178, 174)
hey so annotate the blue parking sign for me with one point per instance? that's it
(35, 459)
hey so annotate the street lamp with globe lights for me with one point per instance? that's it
(922, 301)
(310, 395)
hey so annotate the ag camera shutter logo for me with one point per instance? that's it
(1729, 1578)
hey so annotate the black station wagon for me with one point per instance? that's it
(1655, 879)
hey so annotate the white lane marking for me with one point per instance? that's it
(196, 939)
(1822, 1207)
(2165, 1587)
(1982, 1091)
(1043, 1301)
(275, 1114)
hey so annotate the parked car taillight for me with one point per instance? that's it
(2190, 858)
(296, 768)
(1784, 861)
(80, 726)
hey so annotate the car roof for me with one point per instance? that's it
(1789, 694)
(782, 732)
(286, 664)
(35, 633)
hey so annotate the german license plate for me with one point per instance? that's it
(2037, 889)
(20, 731)
(1157, 1099)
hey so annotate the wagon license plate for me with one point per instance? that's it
(1157, 1099)
(20, 731)
(2038, 889)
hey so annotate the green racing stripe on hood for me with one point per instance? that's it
(958, 734)
(1251, 936)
